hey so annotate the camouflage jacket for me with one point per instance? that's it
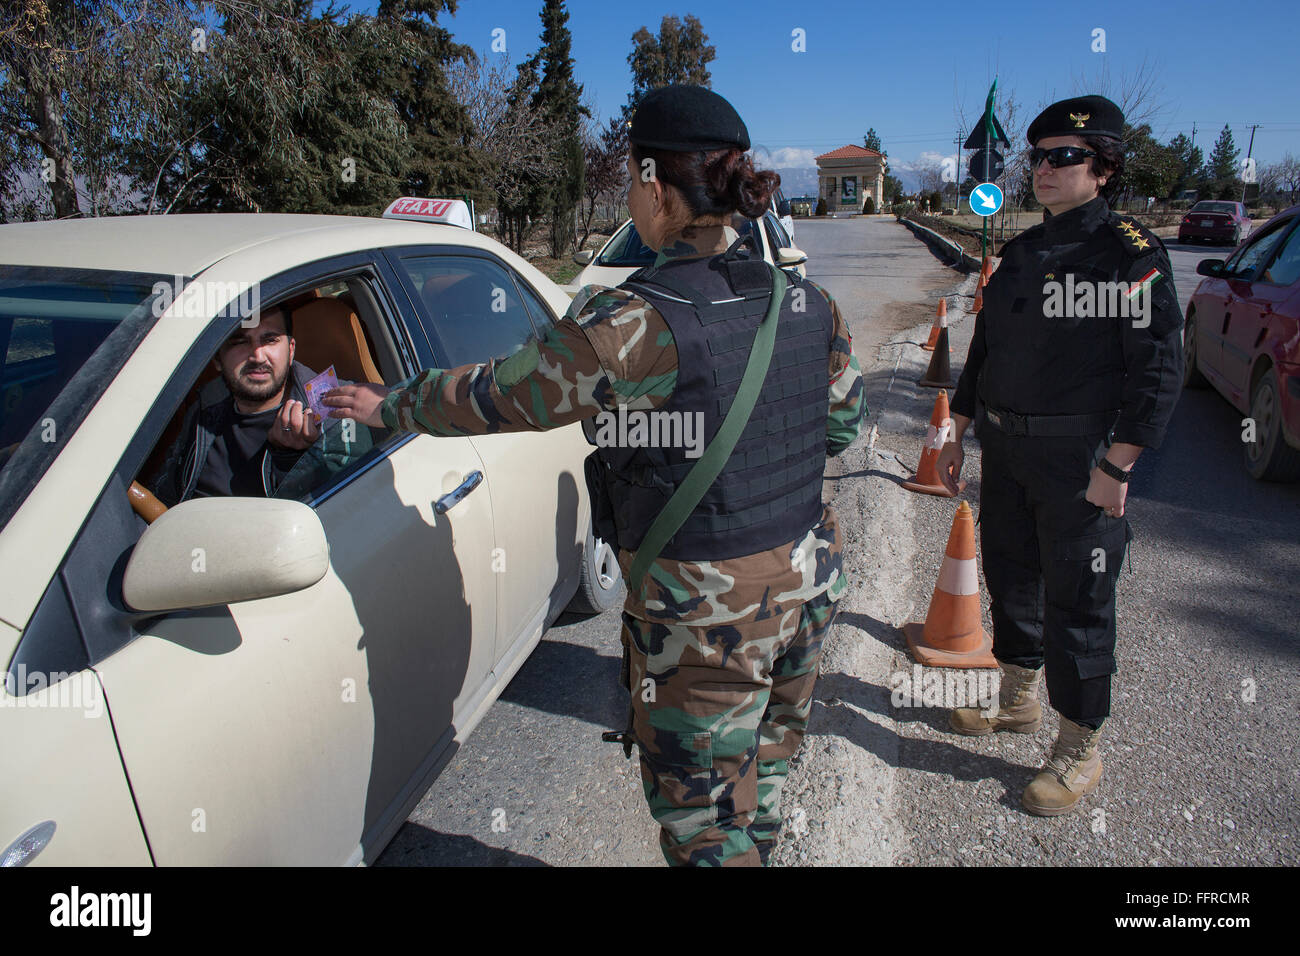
(614, 348)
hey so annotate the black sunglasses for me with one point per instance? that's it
(1059, 156)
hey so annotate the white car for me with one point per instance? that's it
(625, 253)
(260, 680)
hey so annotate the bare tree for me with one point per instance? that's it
(606, 177)
(1284, 176)
(929, 177)
(519, 145)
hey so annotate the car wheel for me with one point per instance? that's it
(1192, 377)
(1269, 457)
(601, 586)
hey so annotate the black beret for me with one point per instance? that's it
(687, 118)
(1080, 116)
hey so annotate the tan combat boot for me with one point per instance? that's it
(1018, 709)
(1073, 769)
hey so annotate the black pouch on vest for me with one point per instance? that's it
(602, 505)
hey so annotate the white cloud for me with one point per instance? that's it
(782, 158)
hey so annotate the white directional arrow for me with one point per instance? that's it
(986, 200)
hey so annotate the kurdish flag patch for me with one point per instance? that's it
(1151, 278)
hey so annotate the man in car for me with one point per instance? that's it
(250, 427)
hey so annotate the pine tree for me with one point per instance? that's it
(559, 97)
(872, 141)
(1222, 165)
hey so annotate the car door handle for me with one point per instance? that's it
(452, 498)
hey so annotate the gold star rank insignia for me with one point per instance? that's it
(1079, 119)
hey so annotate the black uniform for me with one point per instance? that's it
(1055, 387)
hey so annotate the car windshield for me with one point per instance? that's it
(1226, 208)
(627, 249)
(64, 334)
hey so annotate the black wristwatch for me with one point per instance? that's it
(1119, 474)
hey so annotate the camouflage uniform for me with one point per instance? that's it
(723, 654)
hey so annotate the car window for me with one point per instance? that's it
(1256, 252)
(64, 334)
(542, 315)
(1285, 267)
(335, 327)
(475, 307)
(1227, 208)
(626, 249)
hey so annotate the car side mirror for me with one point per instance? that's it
(1210, 267)
(584, 257)
(210, 551)
(783, 208)
(791, 257)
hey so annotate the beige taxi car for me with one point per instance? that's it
(271, 680)
(624, 252)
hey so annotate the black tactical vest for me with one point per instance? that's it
(769, 492)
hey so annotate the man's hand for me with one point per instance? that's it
(951, 456)
(1107, 493)
(949, 464)
(295, 427)
(358, 402)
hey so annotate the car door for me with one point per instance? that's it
(1240, 328)
(1258, 311)
(472, 310)
(300, 729)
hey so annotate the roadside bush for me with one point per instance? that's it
(869, 207)
(821, 207)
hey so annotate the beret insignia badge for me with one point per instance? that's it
(1080, 118)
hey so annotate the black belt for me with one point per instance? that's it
(1050, 426)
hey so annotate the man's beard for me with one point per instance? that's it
(251, 391)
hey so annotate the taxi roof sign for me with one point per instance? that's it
(451, 212)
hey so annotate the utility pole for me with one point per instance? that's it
(956, 175)
(1254, 126)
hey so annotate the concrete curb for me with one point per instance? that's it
(946, 249)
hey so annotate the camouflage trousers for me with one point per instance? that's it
(717, 712)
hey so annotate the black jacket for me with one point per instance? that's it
(1037, 351)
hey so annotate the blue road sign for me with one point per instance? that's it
(985, 199)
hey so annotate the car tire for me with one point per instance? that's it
(600, 588)
(1273, 458)
(1192, 375)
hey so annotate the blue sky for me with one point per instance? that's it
(908, 69)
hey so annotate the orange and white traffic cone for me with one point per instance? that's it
(986, 270)
(952, 635)
(979, 300)
(926, 480)
(940, 322)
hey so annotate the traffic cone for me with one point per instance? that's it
(926, 480)
(940, 322)
(986, 270)
(939, 374)
(979, 300)
(952, 635)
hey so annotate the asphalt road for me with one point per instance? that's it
(1199, 752)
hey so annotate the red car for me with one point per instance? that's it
(1215, 221)
(1243, 337)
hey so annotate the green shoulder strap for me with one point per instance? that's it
(705, 471)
